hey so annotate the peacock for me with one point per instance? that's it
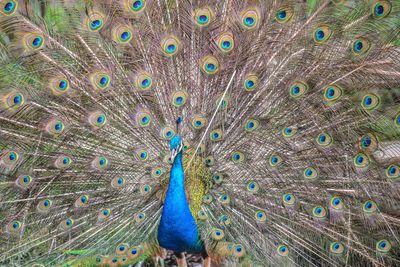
(185, 133)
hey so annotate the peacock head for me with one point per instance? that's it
(176, 146)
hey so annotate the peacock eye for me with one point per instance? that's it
(9, 7)
(94, 21)
(383, 246)
(250, 18)
(170, 46)
(361, 46)
(202, 16)
(282, 250)
(210, 65)
(284, 14)
(381, 9)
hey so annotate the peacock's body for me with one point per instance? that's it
(178, 231)
(288, 117)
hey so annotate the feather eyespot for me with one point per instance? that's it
(9, 158)
(397, 120)
(283, 250)
(145, 189)
(216, 135)
(44, 205)
(250, 18)
(199, 121)
(207, 198)
(63, 162)
(121, 248)
(217, 234)
(13, 226)
(99, 259)
(59, 85)
(336, 248)
(224, 220)
(383, 246)
(142, 154)
(170, 45)
(167, 133)
(251, 82)
(186, 146)
(13, 100)
(284, 14)
(225, 42)
(118, 182)
(393, 172)
(238, 157)
(368, 142)
(319, 212)
(289, 132)
(369, 207)
(310, 174)
(361, 160)
(210, 161)
(223, 103)
(275, 160)
(288, 199)
(143, 118)
(179, 98)
(337, 203)
(100, 80)
(95, 21)
(324, 139)
(8, 7)
(34, 41)
(251, 125)
(202, 215)
(260, 216)
(203, 16)
(322, 34)
(97, 119)
(381, 9)
(332, 93)
(218, 178)
(135, 6)
(338, 2)
(143, 81)
(168, 159)
(370, 102)
(298, 89)
(135, 252)
(238, 250)
(210, 65)
(122, 34)
(99, 163)
(67, 224)
(156, 172)
(82, 201)
(104, 213)
(140, 217)
(24, 181)
(224, 199)
(55, 127)
(361, 46)
(253, 187)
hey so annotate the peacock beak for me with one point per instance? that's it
(176, 151)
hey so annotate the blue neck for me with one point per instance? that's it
(177, 176)
(177, 230)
